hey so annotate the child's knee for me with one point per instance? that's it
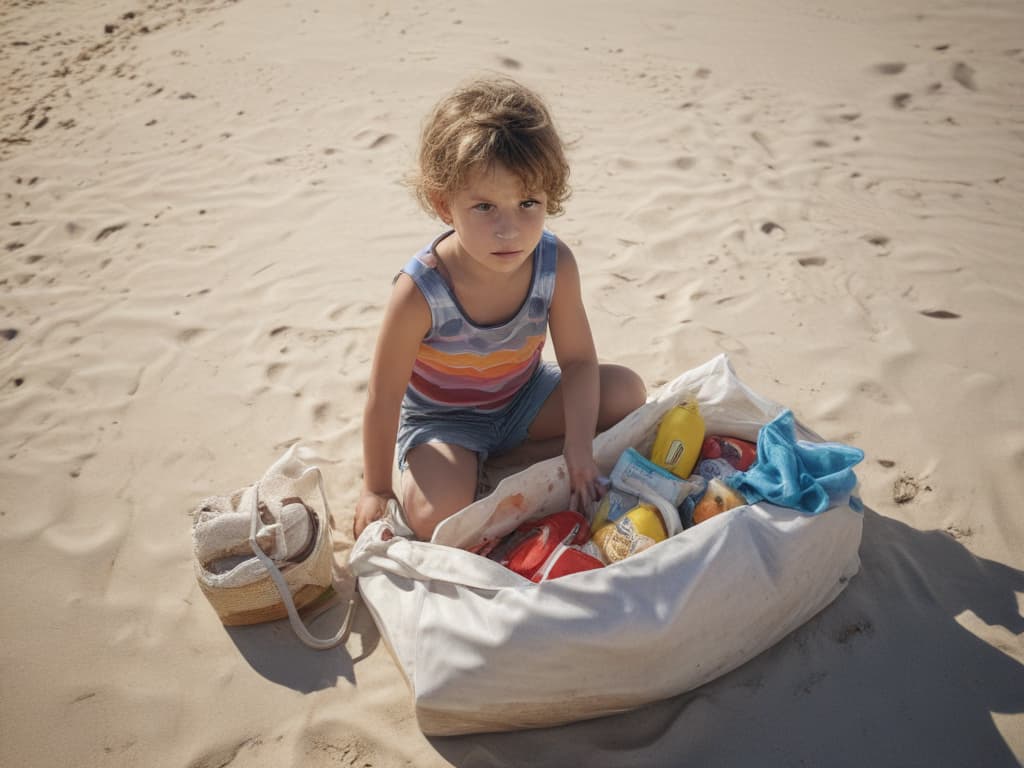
(424, 514)
(622, 392)
(634, 389)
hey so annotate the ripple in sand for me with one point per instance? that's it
(108, 231)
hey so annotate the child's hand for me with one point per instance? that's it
(371, 506)
(585, 486)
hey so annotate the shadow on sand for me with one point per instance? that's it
(276, 653)
(886, 675)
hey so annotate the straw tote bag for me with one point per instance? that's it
(484, 649)
(279, 513)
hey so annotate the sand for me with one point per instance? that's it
(201, 214)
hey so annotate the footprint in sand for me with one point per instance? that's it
(905, 488)
(773, 229)
(320, 412)
(509, 63)
(811, 261)
(9, 333)
(76, 471)
(964, 74)
(879, 241)
(900, 100)
(940, 314)
(273, 371)
(889, 67)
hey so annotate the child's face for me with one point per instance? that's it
(498, 223)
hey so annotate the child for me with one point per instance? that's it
(457, 374)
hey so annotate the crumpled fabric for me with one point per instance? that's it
(810, 477)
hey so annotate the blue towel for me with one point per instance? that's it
(795, 473)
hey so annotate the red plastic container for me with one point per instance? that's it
(545, 548)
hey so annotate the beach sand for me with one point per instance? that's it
(203, 210)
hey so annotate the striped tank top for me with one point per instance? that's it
(461, 365)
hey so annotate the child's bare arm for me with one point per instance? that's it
(574, 349)
(406, 322)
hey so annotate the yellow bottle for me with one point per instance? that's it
(679, 439)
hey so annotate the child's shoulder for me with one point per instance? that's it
(565, 259)
(407, 299)
(426, 257)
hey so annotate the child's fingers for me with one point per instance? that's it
(581, 498)
(364, 517)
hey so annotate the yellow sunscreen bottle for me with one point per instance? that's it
(679, 439)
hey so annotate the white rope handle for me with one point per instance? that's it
(317, 643)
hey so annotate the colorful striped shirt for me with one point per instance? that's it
(461, 365)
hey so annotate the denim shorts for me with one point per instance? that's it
(483, 432)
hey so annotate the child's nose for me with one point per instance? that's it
(506, 229)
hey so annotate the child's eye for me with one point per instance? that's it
(482, 207)
(530, 203)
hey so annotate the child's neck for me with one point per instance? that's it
(486, 296)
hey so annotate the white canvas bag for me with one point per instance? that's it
(484, 649)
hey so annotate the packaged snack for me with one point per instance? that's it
(678, 441)
(640, 528)
(741, 454)
(613, 505)
(717, 499)
(639, 476)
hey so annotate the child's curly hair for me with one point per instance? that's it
(486, 121)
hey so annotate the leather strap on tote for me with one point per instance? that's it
(317, 643)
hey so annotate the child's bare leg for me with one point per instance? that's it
(440, 481)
